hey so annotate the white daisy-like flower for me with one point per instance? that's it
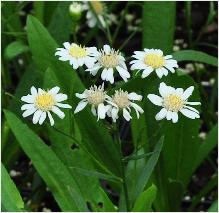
(41, 103)
(151, 60)
(77, 55)
(100, 10)
(123, 101)
(109, 60)
(96, 97)
(173, 101)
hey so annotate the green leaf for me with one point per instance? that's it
(214, 207)
(159, 25)
(192, 55)
(14, 49)
(146, 172)
(59, 19)
(61, 183)
(91, 173)
(145, 200)
(206, 147)
(11, 199)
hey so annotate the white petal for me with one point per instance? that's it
(192, 109)
(193, 103)
(29, 112)
(42, 118)
(190, 114)
(179, 91)
(110, 77)
(93, 110)
(163, 89)
(90, 61)
(126, 115)
(50, 119)
(159, 73)
(164, 71)
(114, 113)
(61, 97)
(104, 74)
(81, 105)
(67, 45)
(58, 112)
(27, 106)
(36, 116)
(54, 90)
(155, 99)
(106, 49)
(147, 71)
(101, 111)
(169, 115)
(28, 99)
(134, 96)
(187, 93)
(33, 91)
(162, 114)
(174, 117)
(123, 72)
(137, 109)
(168, 56)
(81, 96)
(67, 106)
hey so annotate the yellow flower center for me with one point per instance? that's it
(98, 7)
(154, 60)
(45, 101)
(121, 99)
(173, 103)
(77, 51)
(109, 61)
(96, 96)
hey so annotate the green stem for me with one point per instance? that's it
(124, 184)
(120, 23)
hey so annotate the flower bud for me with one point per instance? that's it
(75, 10)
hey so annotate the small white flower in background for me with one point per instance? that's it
(123, 101)
(151, 60)
(101, 12)
(41, 103)
(173, 101)
(77, 55)
(109, 60)
(95, 96)
(75, 10)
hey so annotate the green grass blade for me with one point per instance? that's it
(11, 199)
(214, 207)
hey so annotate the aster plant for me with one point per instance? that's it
(107, 119)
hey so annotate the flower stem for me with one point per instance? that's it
(124, 184)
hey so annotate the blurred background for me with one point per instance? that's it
(196, 28)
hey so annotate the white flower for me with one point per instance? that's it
(41, 102)
(76, 55)
(109, 60)
(123, 101)
(96, 96)
(100, 12)
(173, 101)
(153, 59)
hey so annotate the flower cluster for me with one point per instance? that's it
(110, 62)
